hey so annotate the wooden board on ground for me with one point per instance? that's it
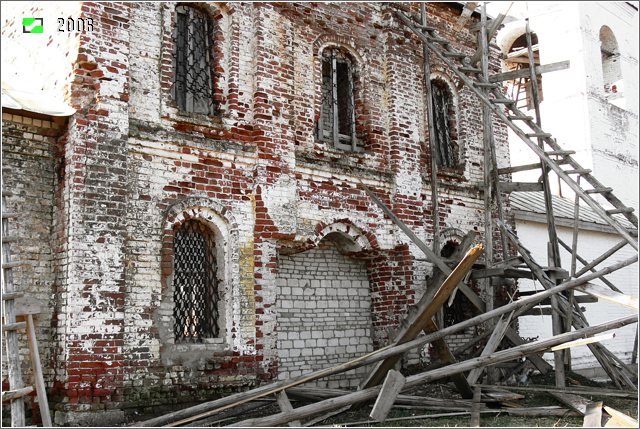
(593, 415)
(574, 402)
(619, 419)
(391, 387)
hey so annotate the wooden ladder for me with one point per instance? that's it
(551, 154)
(15, 319)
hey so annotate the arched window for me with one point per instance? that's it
(517, 58)
(445, 127)
(337, 122)
(195, 283)
(611, 71)
(193, 58)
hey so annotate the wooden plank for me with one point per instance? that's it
(11, 295)
(552, 410)
(609, 295)
(520, 187)
(584, 341)
(619, 419)
(15, 326)
(516, 74)
(393, 384)
(475, 408)
(429, 376)
(578, 390)
(11, 395)
(419, 323)
(575, 402)
(285, 406)
(541, 311)
(518, 168)
(593, 415)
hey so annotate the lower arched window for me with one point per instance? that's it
(195, 283)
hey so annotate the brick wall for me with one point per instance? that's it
(30, 173)
(135, 167)
(324, 314)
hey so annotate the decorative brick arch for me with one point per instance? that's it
(363, 241)
(225, 231)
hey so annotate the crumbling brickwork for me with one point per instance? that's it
(136, 168)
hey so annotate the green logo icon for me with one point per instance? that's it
(32, 25)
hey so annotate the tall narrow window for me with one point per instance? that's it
(195, 284)
(611, 70)
(337, 122)
(444, 116)
(192, 87)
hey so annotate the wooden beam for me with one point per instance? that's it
(575, 402)
(619, 419)
(393, 384)
(601, 292)
(518, 168)
(578, 390)
(541, 311)
(475, 408)
(10, 395)
(584, 341)
(36, 366)
(520, 187)
(516, 74)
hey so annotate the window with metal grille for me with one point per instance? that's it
(193, 85)
(337, 123)
(444, 118)
(195, 284)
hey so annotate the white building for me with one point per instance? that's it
(591, 107)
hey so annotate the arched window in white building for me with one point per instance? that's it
(517, 58)
(611, 71)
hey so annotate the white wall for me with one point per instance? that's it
(35, 62)
(591, 245)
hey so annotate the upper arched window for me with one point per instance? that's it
(611, 71)
(193, 59)
(195, 283)
(445, 124)
(517, 58)
(337, 121)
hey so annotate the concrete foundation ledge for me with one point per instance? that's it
(89, 418)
